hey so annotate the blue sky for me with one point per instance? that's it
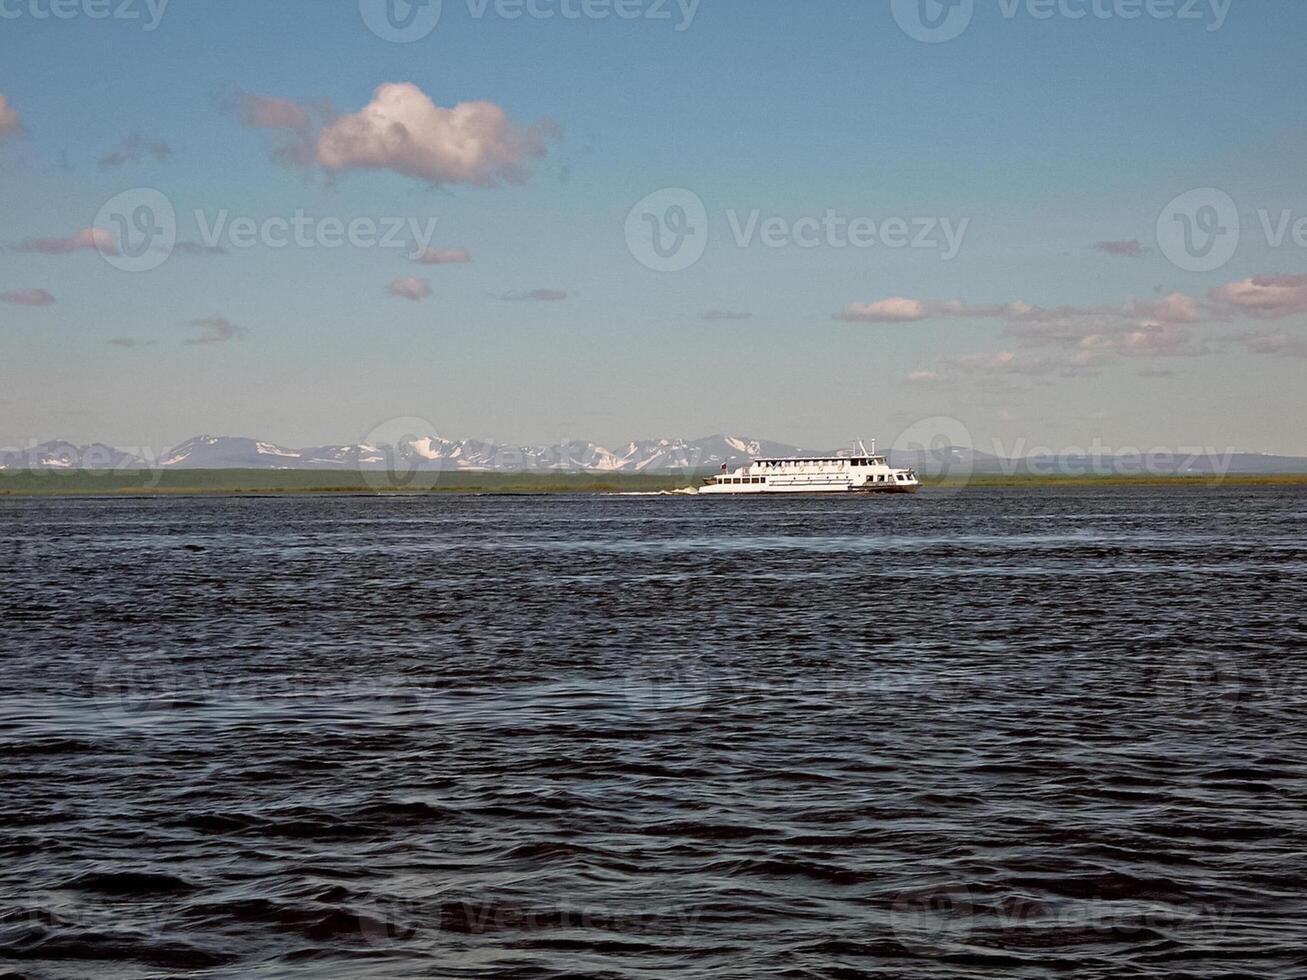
(1060, 142)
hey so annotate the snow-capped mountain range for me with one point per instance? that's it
(666, 456)
(409, 453)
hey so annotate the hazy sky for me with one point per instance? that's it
(863, 215)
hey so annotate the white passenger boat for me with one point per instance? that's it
(857, 471)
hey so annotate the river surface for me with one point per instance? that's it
(995, 733)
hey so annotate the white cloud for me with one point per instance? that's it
(1263, 297)
(404, 131)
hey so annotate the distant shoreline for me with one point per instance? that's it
(136, 483)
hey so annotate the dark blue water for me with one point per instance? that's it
(1001, 733)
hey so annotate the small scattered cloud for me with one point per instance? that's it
(895, 309)
(1078, 341)
(27, 297)
(410, 287)
(136, 149)
(214, 330)
(1004, 362)
(10, 124)
(297, 123)
(724, 315)
(198, 249)
(1175, 308)
(442, 256)
(1159, 339)
(129, 342)
(93, 239)
(1268, 297)
(536, 296)
(1131, 249)
(268, 112)
(1275, 344)
(1172, 308)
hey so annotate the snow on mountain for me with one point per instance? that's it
(58, 455)
(228, 453)
(434, 453)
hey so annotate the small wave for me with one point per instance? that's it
(128, 883)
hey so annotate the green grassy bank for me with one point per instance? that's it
(128, 483)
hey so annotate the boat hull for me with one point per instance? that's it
(768, 491)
